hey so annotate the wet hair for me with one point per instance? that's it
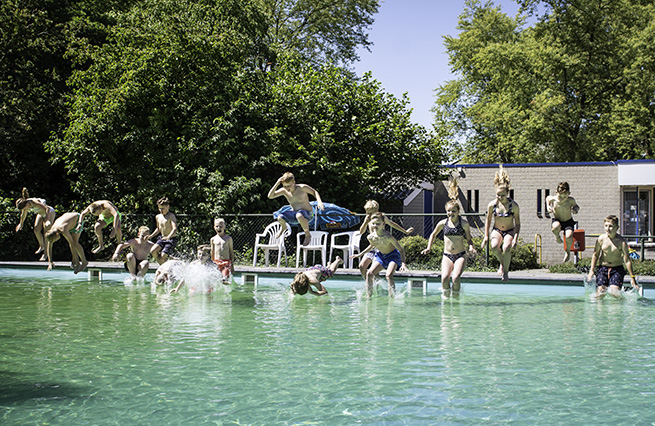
(205, 248)
(21, 203)
(372, 205)
(300, 284)
(163, 201)
(502, 178)
(453, 193)
(53, 235)
(563, 187)
(144, 229)
(613, 219)
(288, 177)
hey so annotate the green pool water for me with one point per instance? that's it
(74, 352)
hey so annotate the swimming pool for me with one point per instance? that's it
(80, 352)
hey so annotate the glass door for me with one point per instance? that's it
(637, 212)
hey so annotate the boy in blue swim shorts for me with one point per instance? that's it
(297, 194)
(390, 255)
(167, 231)
(613, 252)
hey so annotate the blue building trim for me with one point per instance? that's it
(589, 163)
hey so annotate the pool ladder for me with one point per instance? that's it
(537, 246)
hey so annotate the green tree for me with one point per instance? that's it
(141, 113)
(318, 30)
(172, 104)
(348, 138)
(552, 91)
(32, 83)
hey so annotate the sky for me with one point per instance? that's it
(408, 53)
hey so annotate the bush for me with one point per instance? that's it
(523, 257)
(414, 245)
(570, 268)
(647, 267)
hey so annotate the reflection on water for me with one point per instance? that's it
(79, 352)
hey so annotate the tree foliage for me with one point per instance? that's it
(574, 86)
(173, 102)
(319, 31)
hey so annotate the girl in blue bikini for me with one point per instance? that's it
(506, 224)
(455, 232)
(313, 277)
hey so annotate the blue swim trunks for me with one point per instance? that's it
(610, 275)
(385, 259)
(289, 215)
(167, 246)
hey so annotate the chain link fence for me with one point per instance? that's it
(193, 230)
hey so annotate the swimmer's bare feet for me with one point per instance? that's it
(42, 258)
(98, 249)
(39, 250)
(567, 255)
(81, 267)
(500, 271)
(307, 240)
(339, 259)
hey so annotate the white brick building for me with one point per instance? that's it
(600, 189)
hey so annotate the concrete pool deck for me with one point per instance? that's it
(533, 276)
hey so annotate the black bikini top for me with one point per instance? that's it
(506, 214)
(454, 231)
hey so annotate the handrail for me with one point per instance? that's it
(642, 244)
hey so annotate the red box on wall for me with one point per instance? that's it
(578, 240)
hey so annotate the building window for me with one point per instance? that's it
(546, 195)
(472, 201)
(539, 209)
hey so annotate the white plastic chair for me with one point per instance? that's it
(272, 243)
(351, 247)
(318, 242)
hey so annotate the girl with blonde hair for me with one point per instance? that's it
(456, 233)
(504, 212)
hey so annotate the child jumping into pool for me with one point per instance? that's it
(70, 226)
(167, 231)
(370, 208)
(137, 263)
(107, 214)
(456, 232)
(611, 251)
(297, 195)
(390, 255)
(504, 213)
(313, 277)
(45, 217)
(203, 257)
(562, 206)
(222, 251)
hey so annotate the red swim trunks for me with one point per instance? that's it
(225, 266)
